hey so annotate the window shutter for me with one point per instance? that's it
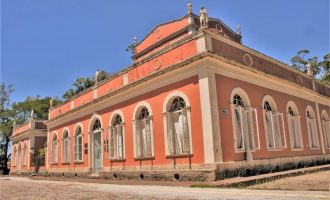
(314, 134)
(170, 133)
(148, 138)
(138, 137)
(80, 147)
(120, 141)
(269, 128)
(326, 130)
(238, 127)
(112, 142)
(185, 126)
(278, 130)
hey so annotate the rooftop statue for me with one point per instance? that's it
(204, 19)
(238, 29)
(189, 7)
(96, 75)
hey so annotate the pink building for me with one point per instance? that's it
(196, 104)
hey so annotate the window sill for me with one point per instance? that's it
(54, 163)
(244, 151)
(179, 156)
(65, 163)
(117, 159)
(78, 162)
(277, 149)
(297, 149)
(314, 148)
(145, 158)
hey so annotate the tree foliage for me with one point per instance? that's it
(321, 69)
(82, 84)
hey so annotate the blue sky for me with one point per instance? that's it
(47, 44)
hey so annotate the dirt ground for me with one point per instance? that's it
(319, 181)
(22, 188)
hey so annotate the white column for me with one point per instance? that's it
(210, 116)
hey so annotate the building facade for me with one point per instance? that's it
(196, 104)
(27, 140)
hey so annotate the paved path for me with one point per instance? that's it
(24, 188)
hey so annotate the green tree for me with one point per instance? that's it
(82, 84)
(299, 62)
(325, 65)
(321, 69)
(7, 117)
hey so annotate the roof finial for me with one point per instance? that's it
(32, 114)
(96, 76)
(203, 18)
(51, 102)
(135, 41)
(310, 69)
(238, 29)
(189, 7)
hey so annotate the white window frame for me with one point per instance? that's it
(136, 113)
(326, 132)
(167, 103)
(282, 134)
(244, 127)
(76, 145)
(295, 119)
(55, 149)
(111, 128)
(312, 131)
(136, 145)
(65, 147)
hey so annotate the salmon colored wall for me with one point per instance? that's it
(163, 61)
(327, 109)
(161, 32)
(179, 37)
(14, 165)
(155, 99)
(21, 129)
(256, 94)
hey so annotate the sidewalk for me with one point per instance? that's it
(231, 182)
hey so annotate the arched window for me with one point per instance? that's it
(55, 149)
(274, 125)
(65, 147)
(19, 157)
(246, 132)
(24, 155)
(13, 158)
(326, 128)
(294, 126)
(78, 144)
(97, 126)
(312, 130)
(143, 133)
(178, 133)
(116, 138)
